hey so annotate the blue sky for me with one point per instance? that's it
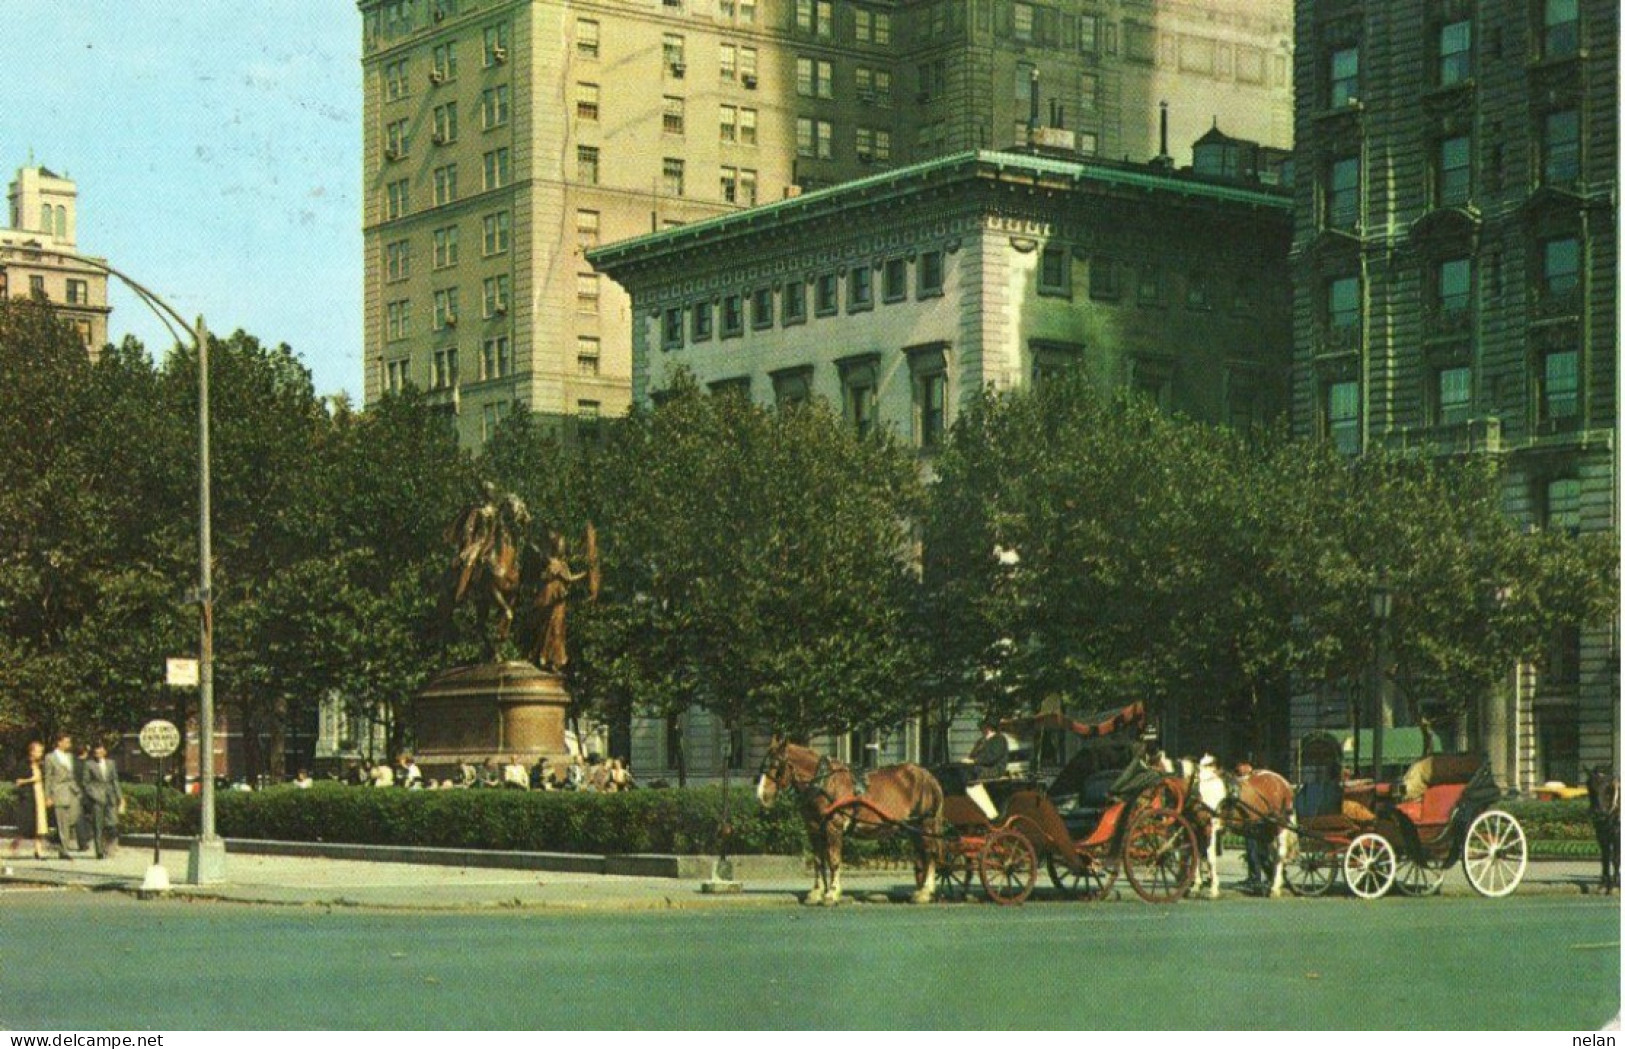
(217, 149)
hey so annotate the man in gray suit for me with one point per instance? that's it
(98, 779)
(62, 791)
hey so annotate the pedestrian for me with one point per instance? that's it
(407, 773)
(382, 775)
(103, 800)
(515, 774)
(62, 792)
(303, 781)
(32, 821)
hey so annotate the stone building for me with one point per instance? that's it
(505, 138)
(898, 297)
(44, 221)
(1456, 274)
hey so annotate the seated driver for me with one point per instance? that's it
(987, 759)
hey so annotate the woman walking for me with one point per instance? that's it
(31, 818)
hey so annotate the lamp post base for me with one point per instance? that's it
(206, 862)
(721, 880)
(156, 881)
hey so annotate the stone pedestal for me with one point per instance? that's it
(494, 710)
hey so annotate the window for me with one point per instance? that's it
(859, 383)
(587, 38)
(36, 286)
(443, 62)
(445, 123)
(1455, 52)
(1560, 28)
(814, 138)
(1343, 85)
(1453, 285)
(395, 80)
(874, 145)
(747, 187)
(671, 115)
(747, 127)
(928, 274)
(874, 85)
(794, 298)
(587, 355)
(816, 17)
(729, 123)
(494, 106)
(1153, 380)
(397, 374)
(671, 52)
(491, 416)
(1452, 395)
(1454, 171)
(871, 27)
(496, 292)
(397, 261)
(445, 184)
(815, 78)
(496, 44)
(1053, 360)
(727, 61)
(79, 291)
(1342, 414)
(587, 229)
(894, 280)
(587, 165)
(747, 66)
(761, 308)
(730, 184)
(1561, 505)
(792, 386)
(496, 168)
(445, 247)
(397, 139)
(445, 368)
(1088, 33)
(826, 294)
(1342, 194)
(747, 16)
(702, 319)
(671, 177)
(1560, 155)
(445, 309)
(1105, 281)
(586, 101)
(1149, 288)
(586, 293)
(1558, 728)
(860, 290)
(1560, 266)
(588, 414)
(671, 329)
(1055, 271)
(396, 199)
(1021, 26)
(928, 373)
(1343, 305)
(1559, 386)
(496, 229)
(733, 316)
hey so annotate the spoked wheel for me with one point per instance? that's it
(1418, 879)
(1159, 855)
(1312, 872)
(953, 874)
(1495, 854)
(1009, 867)
(1092, 881)
(1368, 866)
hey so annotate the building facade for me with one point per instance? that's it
(1455, 261)
(505, 138)
(44, 222)
(897, 298)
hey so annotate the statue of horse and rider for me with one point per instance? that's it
(489, 538)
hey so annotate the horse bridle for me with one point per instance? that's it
(816, 785)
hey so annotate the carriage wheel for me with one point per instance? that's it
(1092, 881)
(1009, 867)
(1368, 866)
(1312, 872)
(1418, 879)
(1495, 854)
(1159, 855)
(953, 876)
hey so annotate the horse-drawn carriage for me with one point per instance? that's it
(1380, 836)
(1084, 836)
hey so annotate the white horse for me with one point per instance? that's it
(1258, 806)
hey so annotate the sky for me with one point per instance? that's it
(217, 151)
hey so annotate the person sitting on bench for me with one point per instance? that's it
(987, 759)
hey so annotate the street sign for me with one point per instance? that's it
(159, 739)
(181, 672)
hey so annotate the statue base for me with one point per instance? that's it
(467, 715)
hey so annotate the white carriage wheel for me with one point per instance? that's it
(1369, 865)
(1496, 854)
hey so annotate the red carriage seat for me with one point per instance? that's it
(1107, 826)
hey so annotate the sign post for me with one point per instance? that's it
(159, 739)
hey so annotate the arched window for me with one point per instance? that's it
(45, 222)
(62, 221)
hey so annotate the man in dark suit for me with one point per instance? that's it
(61, 775)
(991, 753)
(98, 781)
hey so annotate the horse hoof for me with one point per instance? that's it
(830, 901)
(812, 899)
(920, 897)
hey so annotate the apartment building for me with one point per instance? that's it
(506, 138)
(1455, 262)
(36, 250)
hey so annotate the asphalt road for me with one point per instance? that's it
(1519, 963)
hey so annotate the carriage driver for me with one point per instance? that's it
(987, 760)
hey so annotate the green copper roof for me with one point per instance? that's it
(993, 162)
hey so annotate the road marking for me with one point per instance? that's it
(1592, 946)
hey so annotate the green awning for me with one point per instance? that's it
(1400, 746)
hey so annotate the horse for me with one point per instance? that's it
(896, 798)
(1602, 794)
(1257, 806)
(487, 568)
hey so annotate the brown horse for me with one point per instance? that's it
(895, 799)
(1602, 790)
(1257, 806)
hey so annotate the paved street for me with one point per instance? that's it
(1538, 961)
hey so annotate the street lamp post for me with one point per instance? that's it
(206, 860)
(1382, 609)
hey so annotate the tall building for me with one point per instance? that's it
(504, 138)
(44, 221)
(1456, 277)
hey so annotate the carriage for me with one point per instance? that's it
(1083, 833)
(1382, 836)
